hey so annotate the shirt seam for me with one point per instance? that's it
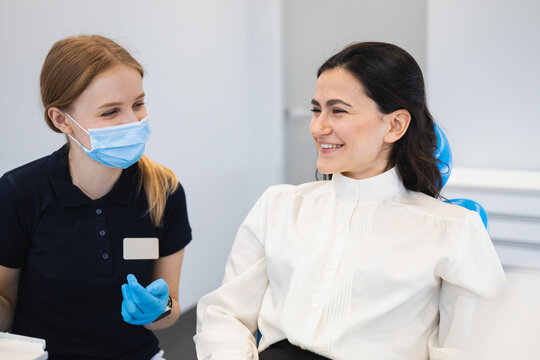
(459, 221)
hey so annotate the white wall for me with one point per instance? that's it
(483, 80)
(213, 95)
(314, 30)
(483, 87)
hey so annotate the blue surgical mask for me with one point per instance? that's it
(118, 146)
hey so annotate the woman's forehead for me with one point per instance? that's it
(338, 83)
(118, 84)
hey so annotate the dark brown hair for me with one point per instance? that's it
(392, 78)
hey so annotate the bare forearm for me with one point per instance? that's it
(168, 320)
(6, 314)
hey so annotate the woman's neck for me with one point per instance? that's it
(95, 180)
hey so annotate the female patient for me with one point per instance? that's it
(369, 264)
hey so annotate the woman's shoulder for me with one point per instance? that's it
(22, 186)
(27, 174)
(430, 207)
(178, 196)
(283, 195)
(305, 190)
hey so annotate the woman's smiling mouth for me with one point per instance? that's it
(330, 146)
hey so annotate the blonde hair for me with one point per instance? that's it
(68, 69)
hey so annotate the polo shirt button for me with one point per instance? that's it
(99, 211)
(102, 232)
(105, 256)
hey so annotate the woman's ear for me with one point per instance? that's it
(398, 123)
(58, 118)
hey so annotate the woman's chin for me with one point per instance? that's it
(326, 170)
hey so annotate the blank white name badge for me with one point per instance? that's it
(141, 248)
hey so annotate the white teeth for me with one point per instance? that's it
(330, 146)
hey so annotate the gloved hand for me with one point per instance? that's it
(142, 305)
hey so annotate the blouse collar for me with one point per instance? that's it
(383, 186)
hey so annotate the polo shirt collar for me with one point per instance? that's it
(383, 186)
(71, 196)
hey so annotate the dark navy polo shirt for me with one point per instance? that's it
(69, 249)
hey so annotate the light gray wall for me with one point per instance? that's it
(483, 87)
(213, 87)
(483, 81)
(314, 30)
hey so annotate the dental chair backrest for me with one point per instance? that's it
(443, 153)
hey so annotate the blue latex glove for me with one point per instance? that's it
(142, 305)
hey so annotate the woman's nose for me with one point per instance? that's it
(132, 117)
(320, 125)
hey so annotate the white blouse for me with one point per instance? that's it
(351, 269)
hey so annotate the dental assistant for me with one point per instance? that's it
(65, 217)
(369, 263)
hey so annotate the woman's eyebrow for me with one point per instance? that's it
(330, 102)
(119, 103)
(336, 101)
(109, 104)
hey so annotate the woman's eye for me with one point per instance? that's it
(109, 113)
(314, 110)
(338, 111)
(138, 105)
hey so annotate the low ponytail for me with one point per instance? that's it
(159, 182)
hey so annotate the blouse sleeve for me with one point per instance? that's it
(227, 317)
(176, 233)
(474, 274)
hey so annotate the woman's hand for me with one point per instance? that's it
(141, 306)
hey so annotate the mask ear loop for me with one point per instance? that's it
(72, 138)
(79, 125)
